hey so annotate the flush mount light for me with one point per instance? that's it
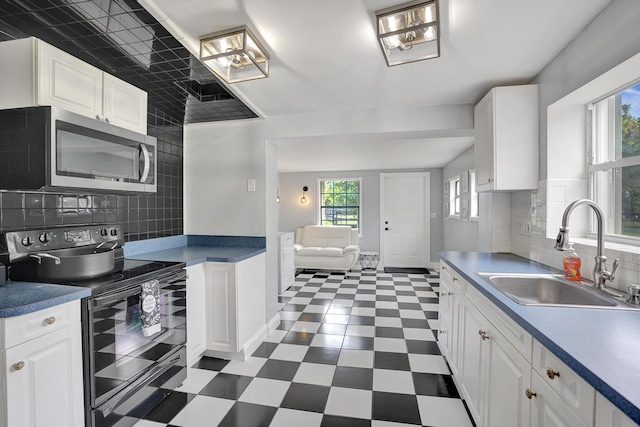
(409, 32)
(234, 55)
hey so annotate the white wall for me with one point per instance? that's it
(610, 39)
(219, 159)
(460, 235)
(293, 214)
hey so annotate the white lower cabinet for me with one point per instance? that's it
(548, 409)
(608, 415)
(507, 374)
(42, 383)
(493, 374)
(507, 378)
(449, 315)
(196, 315)
(235, 306)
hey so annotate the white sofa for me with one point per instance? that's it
(319, 247)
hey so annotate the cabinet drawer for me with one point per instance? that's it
(446, 270)
(520, 339)
(573, 390)
(20, 329)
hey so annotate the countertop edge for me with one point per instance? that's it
(45, 303)
(584, 372)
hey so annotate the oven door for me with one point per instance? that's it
(118, 356)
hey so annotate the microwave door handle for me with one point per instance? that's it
(147, 162)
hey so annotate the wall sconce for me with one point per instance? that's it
(277, 195)
(409, 32)
(234, 55)
(304, 199)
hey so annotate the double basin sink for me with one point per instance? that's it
(554, 290)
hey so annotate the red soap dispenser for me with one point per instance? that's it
(572, 263)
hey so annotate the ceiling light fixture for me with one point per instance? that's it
(409, 32)
(234, 55)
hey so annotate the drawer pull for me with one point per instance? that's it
(530, 394)
(18, 366)
(552, 374)
(50, 320)
(454, 278)
(446, 294)
(441, 332)
(483, 334)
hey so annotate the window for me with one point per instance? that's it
(454, 196)
(473, 195)
(340, 202)
(614, 160)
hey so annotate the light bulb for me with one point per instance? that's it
(303, 199)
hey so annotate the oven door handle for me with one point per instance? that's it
(155, 372)
(174, 278)
(104, 300)
(144, 153)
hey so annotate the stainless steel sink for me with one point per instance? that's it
(552, 290)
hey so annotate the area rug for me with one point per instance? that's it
(409, 270)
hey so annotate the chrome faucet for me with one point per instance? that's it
(600, 272)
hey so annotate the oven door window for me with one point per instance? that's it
(121, 353)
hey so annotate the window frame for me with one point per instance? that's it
(321, 205)
(601, 124)
(454, 196)
(474, 197)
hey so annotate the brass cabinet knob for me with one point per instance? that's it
(18, 366)
(552, 374)
(530, 394)
(50, 320)
(483, 334)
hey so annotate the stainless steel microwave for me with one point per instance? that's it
(50, 148)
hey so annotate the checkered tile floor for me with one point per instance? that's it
(350, 351)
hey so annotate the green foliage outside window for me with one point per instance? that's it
(340, 202)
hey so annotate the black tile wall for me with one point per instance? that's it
(121, 38)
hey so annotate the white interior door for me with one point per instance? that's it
(404, 228)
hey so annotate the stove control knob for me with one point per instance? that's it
(27, 241)
(44, 238)
(114, 232)
(104, 232)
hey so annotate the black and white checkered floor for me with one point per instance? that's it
(350, 351)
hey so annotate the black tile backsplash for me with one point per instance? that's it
(121, 38)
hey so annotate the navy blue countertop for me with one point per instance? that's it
(601, 345)
(18, 298)
(192, 255)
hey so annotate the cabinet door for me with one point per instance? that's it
(444, 317)
(548, 409)
(608, 415)
(455, 303)
(196, 315)
(508, 376)
(124, 105)
(221, 307)
(483, 123)
(473, 354)
(575, 391)
(44, 380)
(286, 265)
(65, 81)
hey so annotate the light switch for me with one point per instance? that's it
(251, 185)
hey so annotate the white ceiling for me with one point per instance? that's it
(325, 57)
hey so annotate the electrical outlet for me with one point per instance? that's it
(251, 185)
(521, 229)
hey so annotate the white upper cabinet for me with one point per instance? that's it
(506, 144)
(36, 73)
